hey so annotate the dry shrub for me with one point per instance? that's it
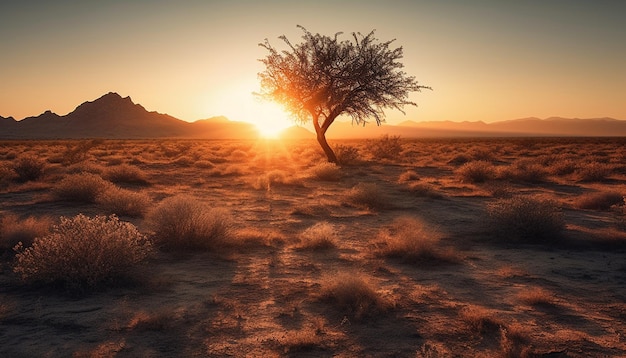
(480, 320)
(83, 187)
(7, 175)
(125, 173)
(346, 154)
(425, 190)
(29, 168)
(304, 340)
(124, 202)
(536, 296)
(368, 195)
(321, 236)
(526, 171)
(354, 295)
(599, 201)
(515, 342)
(594, 171)
(478, 171)
(385, 147)
(408, 176)
(83, 253)
(183, 223)
(411, 242)
(326, 172)
(526, 219)
(238, 155)
(14, 230)
(562, 167)
(275, 178)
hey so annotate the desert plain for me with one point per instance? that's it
(475, 247)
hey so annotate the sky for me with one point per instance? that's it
(486, 60)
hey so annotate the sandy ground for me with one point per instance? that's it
(264, 299)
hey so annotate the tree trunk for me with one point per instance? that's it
(321, 139)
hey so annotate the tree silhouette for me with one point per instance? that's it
(322, 78)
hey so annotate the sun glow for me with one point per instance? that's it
(241, 105)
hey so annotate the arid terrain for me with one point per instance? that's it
(410, 248)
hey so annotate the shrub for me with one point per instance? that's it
(183, 223)
(527, 219)
(326, 171)
(125, 173)
(29, 168)
(354, 295)
(83, 187)
(409, 175)
(594, 171)
(14, 230)
(480, 320)
(599, 201)
(83, 253)
(409, 241)
(320, 236)
(385, 147)
(525, 171)
(536, 296)
(478, 171)
(346, 154)
(124, 202)
(368, 195)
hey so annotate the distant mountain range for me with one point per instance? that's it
(112, 116)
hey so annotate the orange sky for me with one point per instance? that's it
(486, 60)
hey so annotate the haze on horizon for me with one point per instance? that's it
(486, 60)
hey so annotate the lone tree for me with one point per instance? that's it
(323, 78)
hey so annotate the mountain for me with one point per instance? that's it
(112, 116)
(554, 126)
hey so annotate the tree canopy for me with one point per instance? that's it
(323, 77)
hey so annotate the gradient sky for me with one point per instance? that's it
(486, 60)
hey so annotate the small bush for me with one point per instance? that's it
(368, 195)
(83, 253)
(320, 236)
(408, 176)
(527, 219)
(83, 187)
(525, 171)
(125, 173)
(183, 223)
(346, 154)
(326, 172)
(478, 171)
(425, 190)
(354, 295)
(594, 172)
(480, 320)
(599, 201)
(385, 147)
(409, 241)
(536, 296)
(14, 230)
(124, 202)
(29, 168)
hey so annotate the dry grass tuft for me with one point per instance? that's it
(354, 295)
(347, 154)
(83, 253)
(599, 201)
(14, 230)
(368, 195)
(385, 147)
(125, 173)
(411, 242)
(321, 236)
(594, 172)
(29, 168)
(183, 223)
(480, 320)
(478, 171)
(537, 296)
(326, 172)
(408, 176)
(83, 187)
(124, 202)
(305, 340)
(526, 219)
